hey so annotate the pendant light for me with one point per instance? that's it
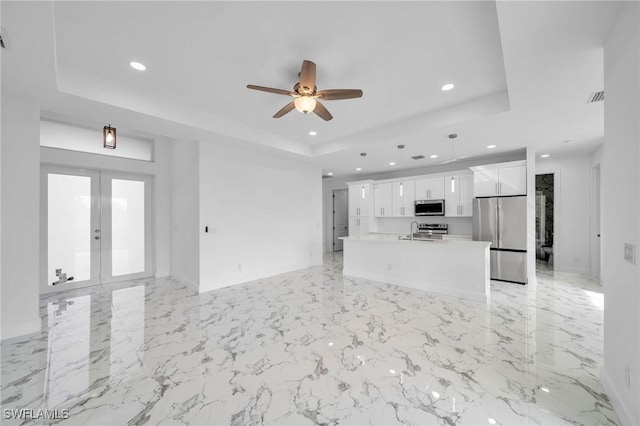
(109, 137)
(452, 136)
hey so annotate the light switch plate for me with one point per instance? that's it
(630, 253)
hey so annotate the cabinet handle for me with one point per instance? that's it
(497, 190)
(500, 185)
(428, 193)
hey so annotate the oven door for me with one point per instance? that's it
(429, 208)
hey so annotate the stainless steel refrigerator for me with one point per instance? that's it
(503, 222)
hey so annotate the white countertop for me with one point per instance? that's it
(448, 241)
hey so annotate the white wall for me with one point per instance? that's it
(161, 171)
(264, 214)
(20, 216)
(532, 279)
(596, 261)
(571, 210)
(621, 214)
(185, 211)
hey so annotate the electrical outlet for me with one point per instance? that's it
(388, 267)
(630, 253)
(239, 266)
(627, 376)
(576, 259)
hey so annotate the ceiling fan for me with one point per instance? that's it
(306, 96)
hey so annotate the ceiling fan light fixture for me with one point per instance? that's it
(305, 104)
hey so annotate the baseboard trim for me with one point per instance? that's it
(623, 413)
(185, 280)
(25, 329)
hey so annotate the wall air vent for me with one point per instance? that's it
(418, 157)
(326, 177)
(4, 39)
(596, 97)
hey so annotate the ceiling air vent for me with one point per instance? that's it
(4, 39)
(326, 177)
(418, 157)
(596, 97)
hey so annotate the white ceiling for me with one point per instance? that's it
(523, 72)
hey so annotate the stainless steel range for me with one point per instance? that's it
(434, 228)
(431, 230)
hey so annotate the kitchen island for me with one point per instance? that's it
(454, 267)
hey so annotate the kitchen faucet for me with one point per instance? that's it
(411, 230)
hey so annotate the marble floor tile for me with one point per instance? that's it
(313, 347)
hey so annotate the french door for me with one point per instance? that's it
(96, 227)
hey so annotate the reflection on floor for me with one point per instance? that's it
(314, 347)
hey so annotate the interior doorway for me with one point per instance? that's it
(96, 227)
(340, 217)
(544, 220)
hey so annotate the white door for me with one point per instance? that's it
(340, 218)
(96, 227)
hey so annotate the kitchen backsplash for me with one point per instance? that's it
(400, 225)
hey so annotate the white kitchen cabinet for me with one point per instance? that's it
(403, 198)
(358, 226)
(501, 179)
(513, 180)
(458, 195)
(360, 200)
(383, 199)
(430, 189)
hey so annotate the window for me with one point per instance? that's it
(64, 136)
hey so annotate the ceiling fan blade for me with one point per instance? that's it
(285, 109)
(270, 90)
(322, 112)
(335, 94)
(308, 76)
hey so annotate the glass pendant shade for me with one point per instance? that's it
(305, 104)
(109, 137)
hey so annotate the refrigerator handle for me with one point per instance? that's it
(498, 221)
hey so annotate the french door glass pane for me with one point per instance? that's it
(69, 226)
(127, 222)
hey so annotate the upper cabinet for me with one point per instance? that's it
(383, 199)
(430, 188)
(458, 195)
(360, 199)
(502, 179)
(403, 198)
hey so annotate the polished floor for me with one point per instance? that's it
(314, 347)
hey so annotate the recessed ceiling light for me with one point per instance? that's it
(137, 66)
(447, 87)
(543, 389)
(544, 155)
(492, 421)
(312, 133)
(330, 174)
(434, 156)
(490, 146)
(392, 163)
(358, 169)
(392, 371)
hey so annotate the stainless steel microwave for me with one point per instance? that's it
(429, 208)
